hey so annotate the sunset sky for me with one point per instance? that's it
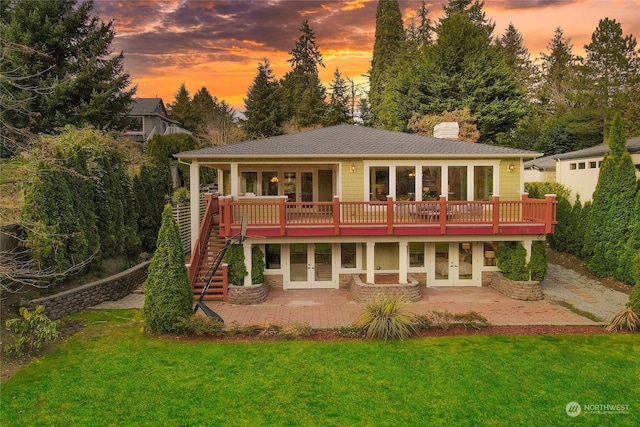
(218, 44)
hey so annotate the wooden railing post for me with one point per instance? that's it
(283, 215)
(549, 217)
(496, 214)
(336, 215)
(443, 214)
(389, 215)
(225, 281)
(525, 210)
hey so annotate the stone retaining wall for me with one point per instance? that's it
(524, 291)
(245, 295)
(364, 292)
(110, 289)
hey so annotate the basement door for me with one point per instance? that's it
(454, 265)
(310, 266)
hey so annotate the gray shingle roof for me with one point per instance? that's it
(354, 141)
(548, 162)
(144, 106)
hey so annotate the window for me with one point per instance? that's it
(431, 182)
(379, 183)
(592, 165)
(457, 183)
(416, 254)
(272, 257)
(249, 182)
(581, 165)
(135, 124)
(269, 183)
(405, 183)
(489, 254)
(482, 182)
(572, 166)
(348, 255)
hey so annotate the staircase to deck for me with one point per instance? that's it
(218, 288)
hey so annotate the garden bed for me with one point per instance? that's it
(386, 285)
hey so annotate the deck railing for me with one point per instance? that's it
(200, 246)
(278, 215)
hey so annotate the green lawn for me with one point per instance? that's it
(112, 374)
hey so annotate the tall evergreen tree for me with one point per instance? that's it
(180, 108)
(611, 66)
(303, 93)
(338, 108)
(65, 57)
(610, 218)
(474, 10)
(559, 69)
(420, 35)
(262, 104)
(518, 58)
(390, 42)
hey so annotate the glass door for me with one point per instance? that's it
(299, 266)
(453, 265)
(310, 266)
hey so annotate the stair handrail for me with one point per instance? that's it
(200, 245)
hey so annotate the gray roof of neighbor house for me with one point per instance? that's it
(549, 162)
(354, 141)
(149, 107)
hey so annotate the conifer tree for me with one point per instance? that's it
(518, 58)
(338, 108)
(262, 104)
(180, 108)
(168, 296)
(390, 42)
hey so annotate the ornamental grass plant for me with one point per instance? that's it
(387, 318)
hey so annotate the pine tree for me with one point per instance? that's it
(58, 44)
(473, 9)
(262, 104)
(559, 69)
(303, 93)
(390, 43)
(338, 108)
(518, 58)
(180, 108)
(168, 296)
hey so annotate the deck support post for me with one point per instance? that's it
(194, 201)
(371, 252)
(247, 262)
(403, 262)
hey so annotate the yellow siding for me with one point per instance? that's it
(352, 183)
(510, 181)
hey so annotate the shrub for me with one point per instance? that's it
(257, 265)
(296, 330)
(537, 190)
(626, 319)
(237, 270)
(350, 331)
(439, 319)
(512, 261)
(634, 297)
(471, 319)
(387, 318)
(168, 295)
(201, 325)
(538, 265)
(30, 331)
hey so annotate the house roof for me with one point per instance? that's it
(549, 162)
(146, 106)
(354, 141)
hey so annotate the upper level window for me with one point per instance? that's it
(431, 182)
(379, 188)
(457, 183)
(592, 165)
(482, 182)
(249, 182)
(572, 166)
(135, 124)
(581, 165)
(405, 183)
(269, 183)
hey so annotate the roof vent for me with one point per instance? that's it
(446, 130)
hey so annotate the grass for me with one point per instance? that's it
(113, 374)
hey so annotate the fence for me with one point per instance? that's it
(182, 215)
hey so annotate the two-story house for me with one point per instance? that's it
(329, 203)
(148, 117)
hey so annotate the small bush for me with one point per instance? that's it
(440, 319)
(296, 330)
(201, 325)
(350, 331)
(634, 299)
(257, 265)
(387, 318)
(512, 261)
(237, 270)
(626, 319)
(30, 331)
(538, 264)
(471, 319)
(423, 321)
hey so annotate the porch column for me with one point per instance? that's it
(234, 180)
(220, 177)
(247, 262)
(194, 201)
(371, 260)
(403, 259)
(527, 246)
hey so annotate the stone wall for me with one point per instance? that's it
(110, 289)
(364, 292)
(245, 295)
(524, 291)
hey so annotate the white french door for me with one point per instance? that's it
(454, 265)
(310, 266)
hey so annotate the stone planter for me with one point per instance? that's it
(364, 292)
(523, 291)
(247, 295)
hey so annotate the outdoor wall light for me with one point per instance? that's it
(511, 167)
(353, 168)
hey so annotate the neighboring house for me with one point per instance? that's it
(577, 170)
(148, 118)
(337, 201)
